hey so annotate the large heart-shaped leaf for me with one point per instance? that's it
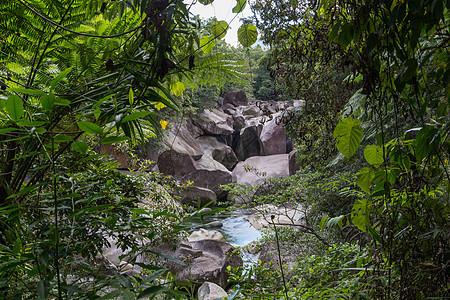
(348, 135)
(207, 44)
(247, 35)
(219, 29)
(374, 155)
(365, 178)
(240, 5)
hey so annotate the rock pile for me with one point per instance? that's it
(212, 149)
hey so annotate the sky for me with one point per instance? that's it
(222, 10)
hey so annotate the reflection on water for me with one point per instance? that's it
(236, 230)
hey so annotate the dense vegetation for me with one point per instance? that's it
(373, 137)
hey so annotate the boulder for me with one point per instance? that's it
(229, 109)
(252, 111)
(273, 138)
(236, 98)
(203, 234)
(177, 164)
(211, 265)
(274, 166)
(247, 143)
(215, 122)
(210, 180)
(214, 224)
(218, 151)
(283, 215)
(192, 194)
(194, 130)
(238, 122)
(207, 162)
(210, 291)
(293, 164)
(180, 140)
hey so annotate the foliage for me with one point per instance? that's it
(394, 53)
(73, 75)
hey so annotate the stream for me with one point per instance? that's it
(236, 230)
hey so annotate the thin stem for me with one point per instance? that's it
(279, 258)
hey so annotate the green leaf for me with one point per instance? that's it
(62, 102)
(348, 135)
(17, 248)
(365, 178)
(14, 107)
(114, 139)
(89, 127)
(48, 101)
(60, 77)
(81, 147)
(240, 5)
(63, 138)
(27, 91)
(30, 124)
(207, 44)
(151, 291)
(43, 289)
(374, 155)
(427, 142)
(247, 35)
(206, 2)
(131, 96)
(361, 214)
(136, 115)
(219, 29)
(177, 88)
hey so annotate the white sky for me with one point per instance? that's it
(222, 10)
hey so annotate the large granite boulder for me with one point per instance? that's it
(248, 143)
(206, 260)
(192, 194)
(211, 291)
(273, 138)
(274, 166)
(176, 164)
(215, 122)
(180, 139)
(265, 216)
(236, 98)
(252, 111)
(203, 234)
(210, 180)
(218, 151)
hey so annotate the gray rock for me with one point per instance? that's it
(210, 291)
(203, 234)
(204, 210)
(214, 224)
(193, 194)
(176, 164)
(212, 265)
(247, 143)
(210, 180)
(180, 140)
(215, 122)
(273, 138)
(218, 151)
(252, 111)
(274, 166)
(236, 98)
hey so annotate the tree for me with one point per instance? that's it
(395, 52)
